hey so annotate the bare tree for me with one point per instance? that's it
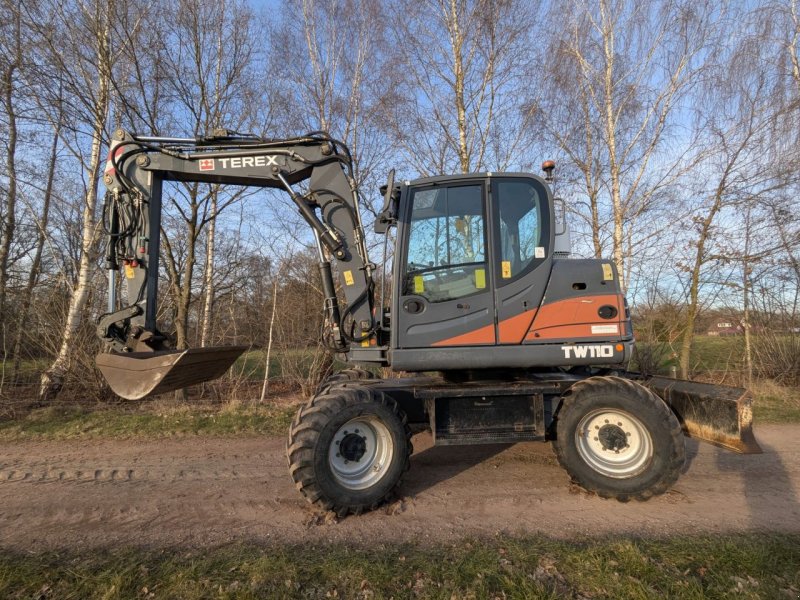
(11, 51)
(622, 68)
(737, 114)
(195, 75)
(42, 226)
(462, 64)
(79, 47)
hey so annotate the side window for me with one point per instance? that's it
(519, 206)
(446, 243)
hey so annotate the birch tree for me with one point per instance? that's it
(79, 47)
(624, 68)
(461, 65)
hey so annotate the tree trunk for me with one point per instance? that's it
(611, 143)
(265, 386)
(208, 275)
(10, 222)
(456, 40)
(748, 348)
(53, 378)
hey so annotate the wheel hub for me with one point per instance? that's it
(361, 452)
(612, 437)
(353, 446)
(614, 442)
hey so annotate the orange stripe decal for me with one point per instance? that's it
(476, 337)
(574, 317)
(513, 329)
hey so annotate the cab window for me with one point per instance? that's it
(520, 208)
(446, 243)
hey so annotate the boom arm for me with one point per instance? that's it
(138, 166)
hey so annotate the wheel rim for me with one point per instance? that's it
(614, 443)
(360, 453)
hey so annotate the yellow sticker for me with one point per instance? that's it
(480, 279)
(130, 272)
(365, 344)
(506, 269)
(608, 273)
(419, 284)
(348, 277)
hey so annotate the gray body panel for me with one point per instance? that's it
(526, 356)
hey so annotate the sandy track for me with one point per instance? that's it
(208, 491)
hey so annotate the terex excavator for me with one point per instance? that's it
(510, 340)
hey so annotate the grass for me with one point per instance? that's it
(731, 566)
(251, 364)
(775, 403)
(152, 421)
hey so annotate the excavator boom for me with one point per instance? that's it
(138, 358)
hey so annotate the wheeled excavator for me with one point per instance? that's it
(500, 336)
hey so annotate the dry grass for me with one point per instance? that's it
(775, 403)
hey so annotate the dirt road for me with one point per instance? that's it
(201, 491)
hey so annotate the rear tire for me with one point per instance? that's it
(348, 449)
(618, 439)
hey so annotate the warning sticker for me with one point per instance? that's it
(130, 271)
(480, 278)
(506, 264)
(538, 252)
(598, 329)
(207, 164)
(419, 284)
(348, 277)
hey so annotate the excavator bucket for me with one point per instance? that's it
(717, 414)
(139, 374)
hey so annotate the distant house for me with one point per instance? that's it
(723, 328)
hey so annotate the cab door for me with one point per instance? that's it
(523, 246)
(445, 293)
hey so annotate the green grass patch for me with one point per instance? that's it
(151, 422)
(732, 566)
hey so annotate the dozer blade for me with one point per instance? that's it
(717, 414)
(139, 374)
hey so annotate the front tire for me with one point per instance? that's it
(348, 449)
(618, 439)
(344, 376)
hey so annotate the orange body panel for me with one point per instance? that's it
(513, 329)
(569, 318)
(477, 337)
(574, 318)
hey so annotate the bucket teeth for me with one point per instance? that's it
(137, 375)
(718, 414)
